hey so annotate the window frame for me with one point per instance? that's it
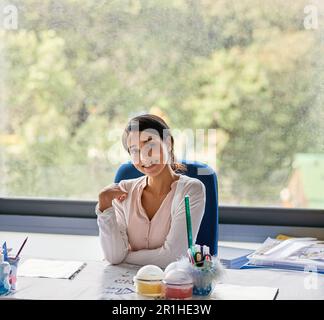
(241, 215)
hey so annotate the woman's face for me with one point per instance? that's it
(148, 152)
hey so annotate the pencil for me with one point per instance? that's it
(22, 246)
(188, 219)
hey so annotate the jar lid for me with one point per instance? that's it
(178, 276)
(171, 266)
(149, 273)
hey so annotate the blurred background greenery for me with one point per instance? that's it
(77, 70)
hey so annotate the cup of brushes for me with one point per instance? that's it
(203, 268)
(8, 268)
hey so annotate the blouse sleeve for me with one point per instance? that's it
(176, 243)
(113, 232)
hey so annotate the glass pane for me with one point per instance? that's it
(239, 82)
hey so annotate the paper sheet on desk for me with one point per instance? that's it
(49, 268)
(118, 283)
(225, 291)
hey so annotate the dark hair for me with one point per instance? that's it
(152, 122)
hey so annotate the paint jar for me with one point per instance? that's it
(171, 266)
(177, 284)
(148, 281)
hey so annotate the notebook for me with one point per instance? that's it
(50, 269)
(233, 258)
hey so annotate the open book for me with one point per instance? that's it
(305, 254)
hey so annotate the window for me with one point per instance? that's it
(74, 72)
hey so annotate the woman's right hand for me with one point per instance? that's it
(108, 194)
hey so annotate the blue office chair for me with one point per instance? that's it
(208, 231)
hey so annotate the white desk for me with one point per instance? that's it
(95, 281)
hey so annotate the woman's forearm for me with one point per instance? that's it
(112, 237)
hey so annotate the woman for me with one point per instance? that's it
(143, 221)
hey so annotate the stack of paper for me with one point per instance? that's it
(50, 269)
(224, 291)
(233, 258)
(305, 254)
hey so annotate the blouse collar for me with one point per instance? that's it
(145, 182)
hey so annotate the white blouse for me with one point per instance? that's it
(127, 235)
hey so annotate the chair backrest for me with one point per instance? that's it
(208, 231)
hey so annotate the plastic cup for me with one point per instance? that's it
(177, 284)
(203, 282)
(148, 281)
(13, 272)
